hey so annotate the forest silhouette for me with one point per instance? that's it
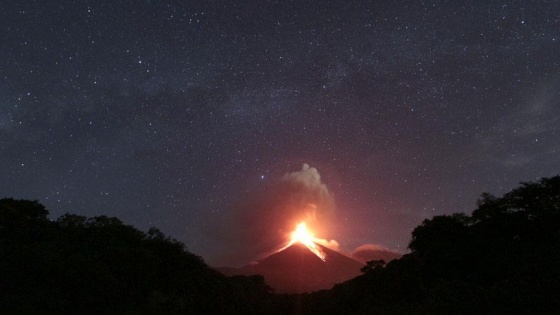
(504, 258)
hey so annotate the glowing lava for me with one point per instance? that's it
(302, 235)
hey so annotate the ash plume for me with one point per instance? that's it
(260, 224)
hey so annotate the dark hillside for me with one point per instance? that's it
(101, 266)
(503, 259)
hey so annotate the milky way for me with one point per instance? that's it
(169, 113)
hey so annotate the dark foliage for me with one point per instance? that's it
(502, 259)
(98, 265)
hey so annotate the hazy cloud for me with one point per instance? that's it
(367, 252)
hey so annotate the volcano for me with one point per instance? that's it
(296, 269)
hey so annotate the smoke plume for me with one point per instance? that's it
(261, 223)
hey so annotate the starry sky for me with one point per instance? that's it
(171, 113)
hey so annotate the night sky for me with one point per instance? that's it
(174, 113)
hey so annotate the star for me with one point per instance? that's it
(406, 109)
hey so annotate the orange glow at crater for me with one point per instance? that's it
(305, 237)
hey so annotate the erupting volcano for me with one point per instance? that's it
(283, 221)
(303, 265)
(303, 236)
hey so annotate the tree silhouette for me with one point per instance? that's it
(17, 211)
(100, 265)
(502, 259)
(372, 265)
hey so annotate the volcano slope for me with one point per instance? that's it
(296, 269)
